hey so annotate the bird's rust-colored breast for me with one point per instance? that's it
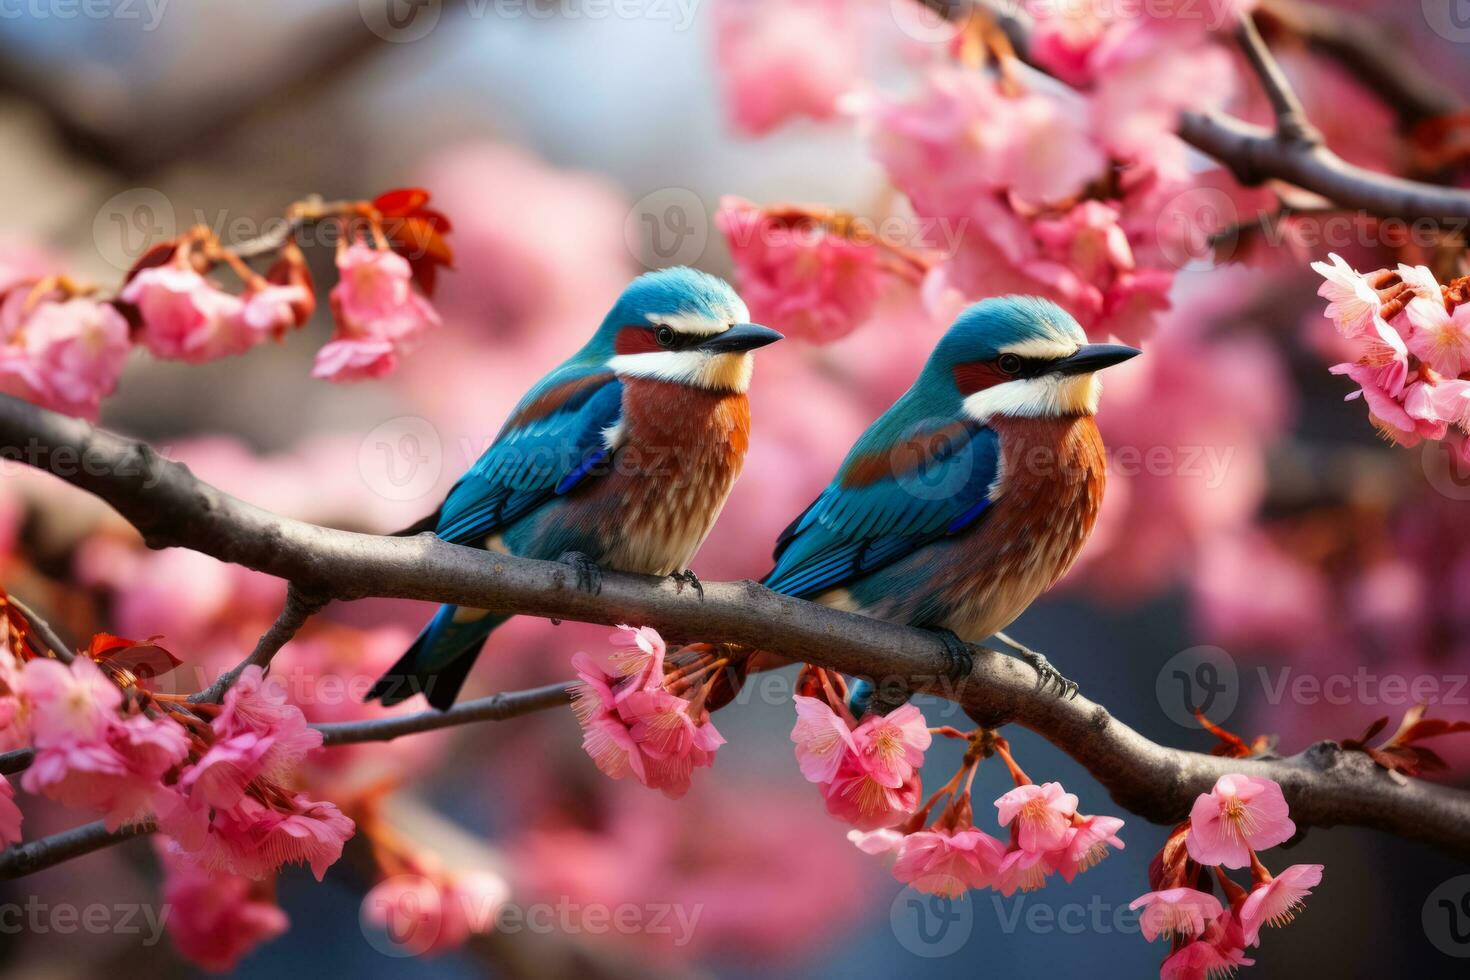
(682, 450)
(1048, 494)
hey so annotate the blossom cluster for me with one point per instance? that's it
(64, 346)
(1227, 826)
(220, 791)
(1084, 196)
(218, 780)
(60, 346)
(868, 772)
(642, 721)
(1411, 337)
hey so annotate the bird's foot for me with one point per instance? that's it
(1046, 674)
(958, 654)
(687, 577)
(589, 573)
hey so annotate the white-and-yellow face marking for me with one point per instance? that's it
(1049, 395)
(729, 371)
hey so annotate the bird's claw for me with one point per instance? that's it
(687, 577)
(959, 655)
(589, 573)
(1047, 674)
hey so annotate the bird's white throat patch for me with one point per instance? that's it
(717, 372)
(1046, 396)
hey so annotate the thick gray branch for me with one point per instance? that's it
(1325, 786)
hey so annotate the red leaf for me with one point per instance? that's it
(143, 659)
(401, 201)
(415, 238)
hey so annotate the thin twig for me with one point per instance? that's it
(299, 607)
(46, 852)
(55, 643)
(496, 707)
(1292, 124)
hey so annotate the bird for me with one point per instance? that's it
(622, 457)
(972, 494)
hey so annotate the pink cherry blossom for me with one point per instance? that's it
(216, 918)
(1441, 339)
(1021, 870)
(632, 725)
(1352, 304)
(1218, 953)
(1241, 814)
(1175, 913)
(773, 71)
(1043, 815)
(948, 863)
(1087, 842)
(1275, 902)
(254, 839)
(256, 707)
(95, 759)
(74, 700)
(379, 316)
(185, 316)
(880, 841)
(76, 349)
(799, 278)
(856, 797)
(355, 359)
(891, 747)
(271, 310)
(10, 816)
(823, 739)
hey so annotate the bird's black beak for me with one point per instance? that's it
(1094, 357)
(741, 337)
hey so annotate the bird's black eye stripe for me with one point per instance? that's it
(1016, 366)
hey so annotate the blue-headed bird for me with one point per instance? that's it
(622, 458)
(973, 493)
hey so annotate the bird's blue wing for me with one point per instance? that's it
(552, 442)
(896, 492)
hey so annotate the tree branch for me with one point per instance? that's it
(46, 852)
(1255, 155)
(496, 707)
(1359, 45)
(1325, 785)
(298, 609)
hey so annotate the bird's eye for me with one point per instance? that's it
(664, 336)
(1009, 363)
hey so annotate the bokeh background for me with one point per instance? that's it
(574, 147)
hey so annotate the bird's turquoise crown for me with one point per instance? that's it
(991, 327)
(678, 292)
